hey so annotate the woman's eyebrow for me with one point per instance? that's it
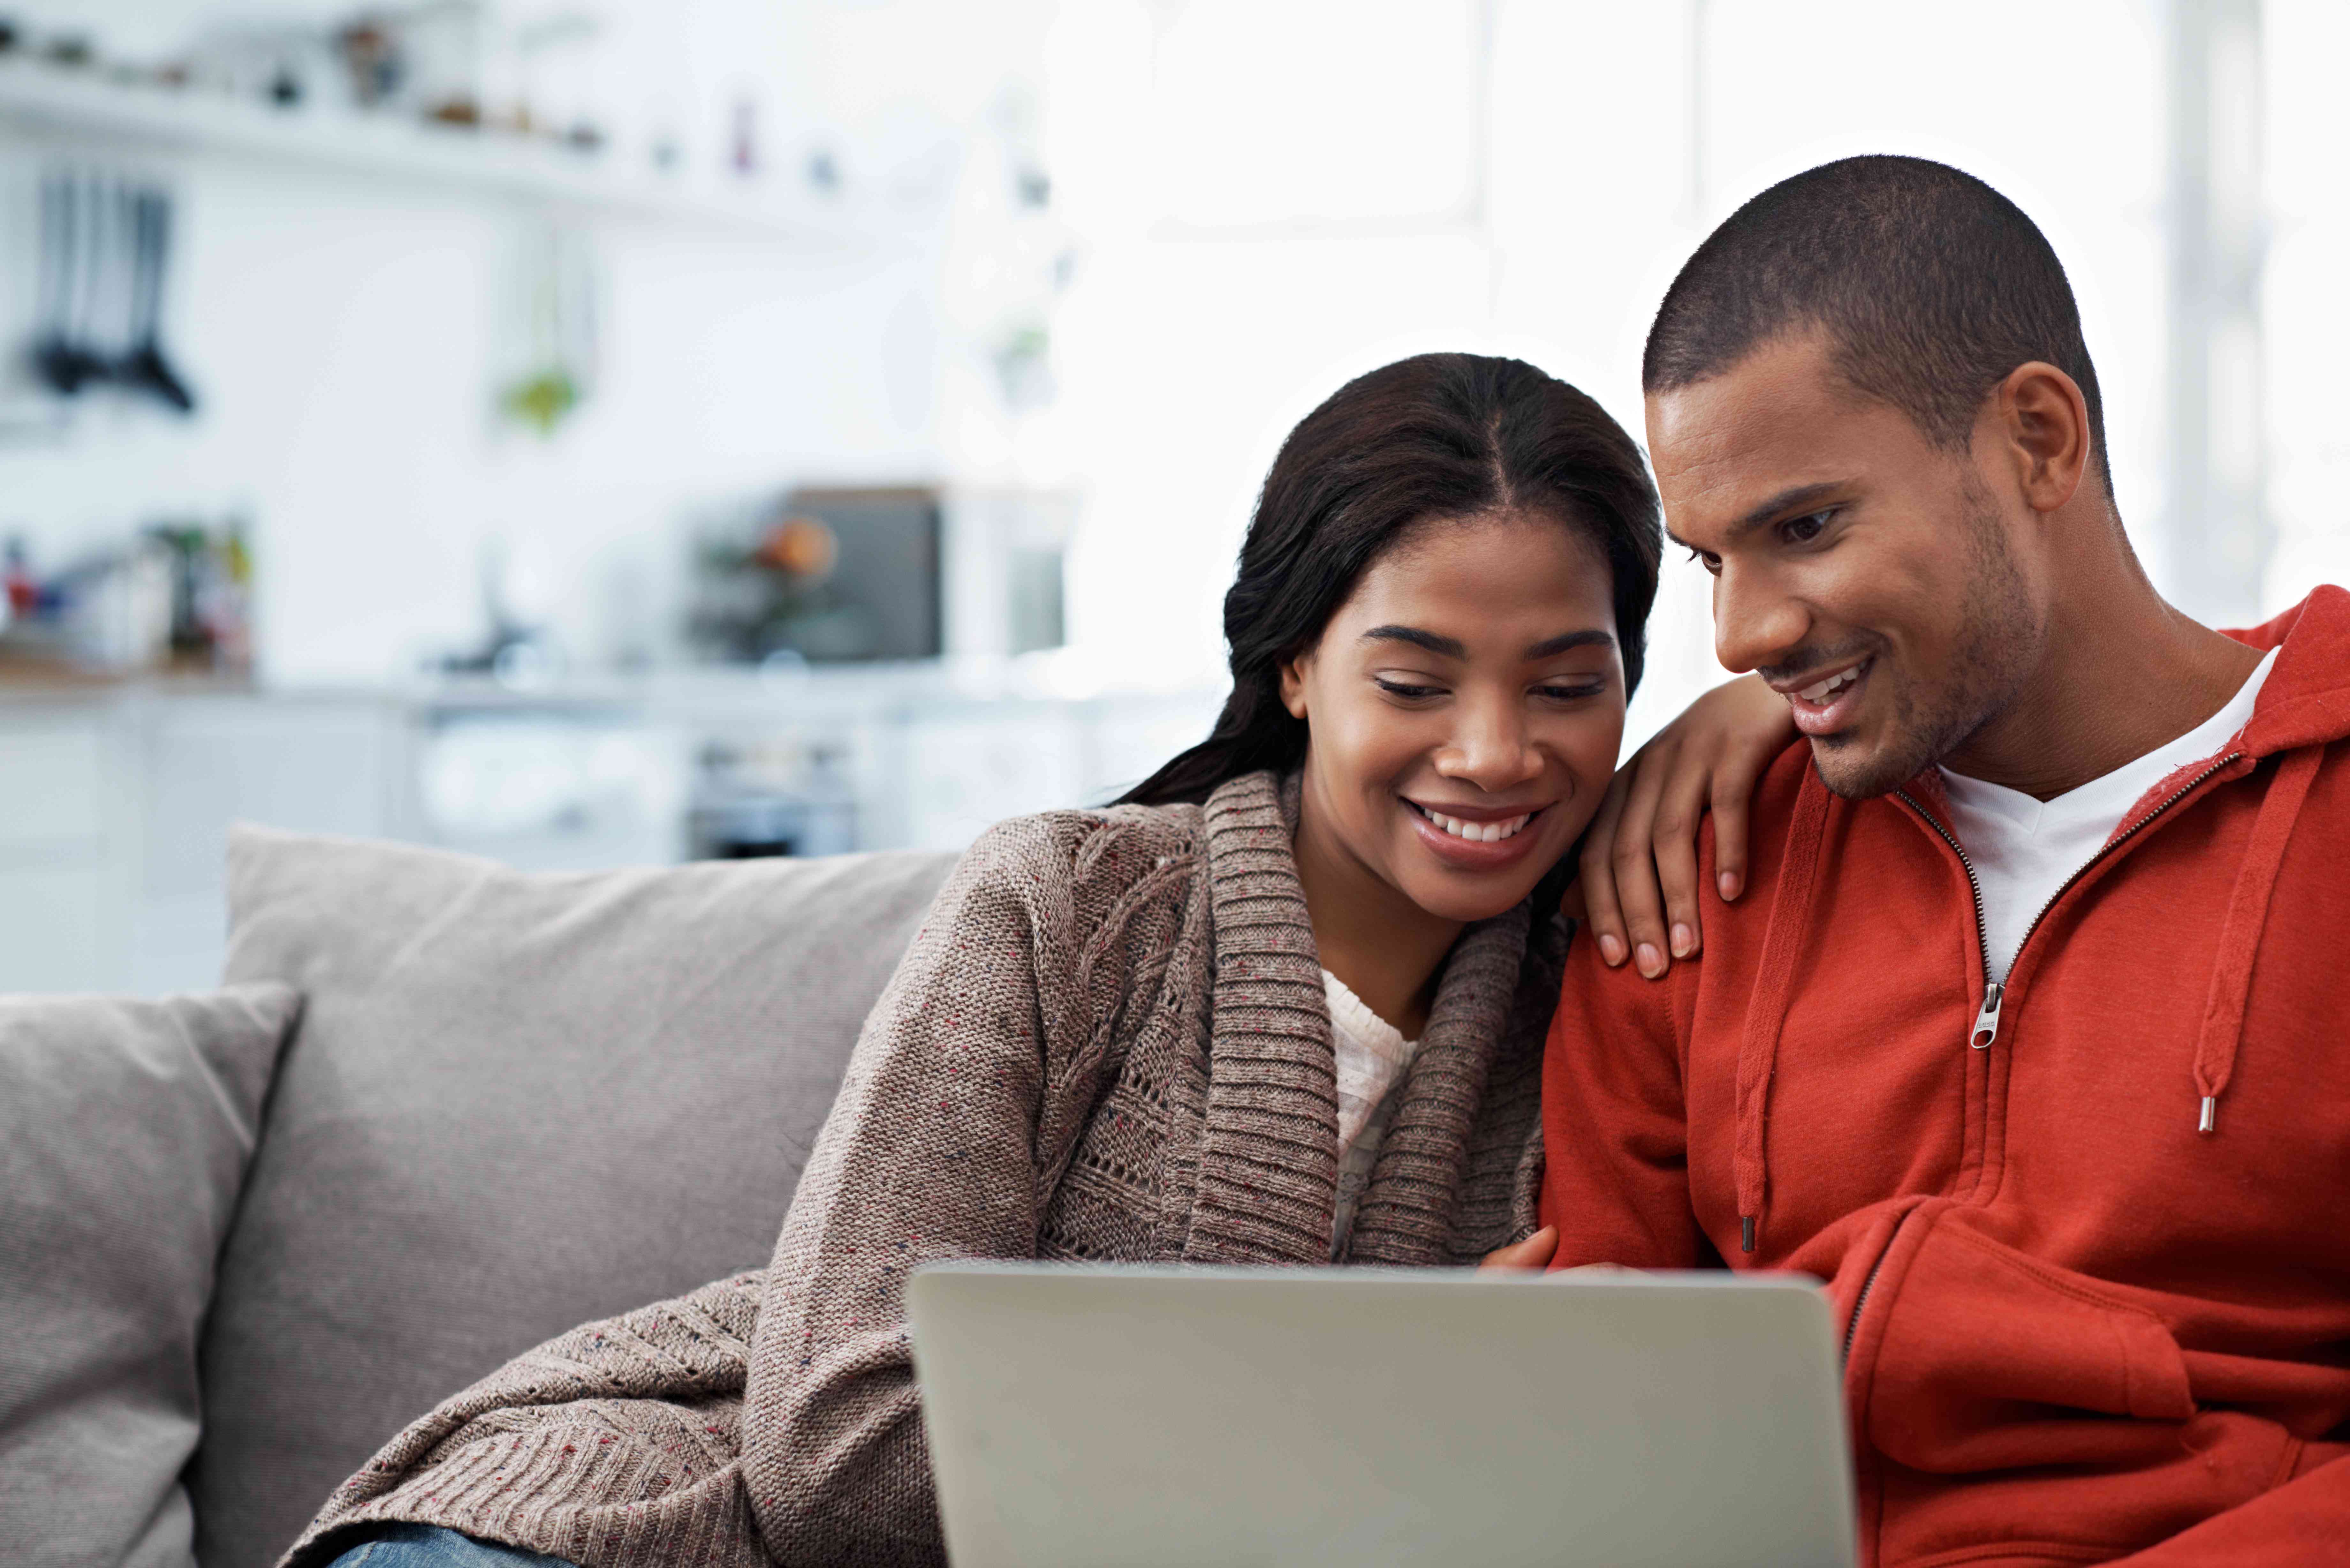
(1560, 644)
(1450, 647)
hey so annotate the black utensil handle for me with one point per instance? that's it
(146, 267)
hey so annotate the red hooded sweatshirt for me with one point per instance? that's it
(2076, 1326)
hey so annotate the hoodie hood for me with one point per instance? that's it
(2306, 701)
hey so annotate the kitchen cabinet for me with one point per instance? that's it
(65, 866)
(115, 802)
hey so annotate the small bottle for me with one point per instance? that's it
(745, 153)
(16, 581)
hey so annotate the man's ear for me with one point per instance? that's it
(2045, 422)
(1292, 684)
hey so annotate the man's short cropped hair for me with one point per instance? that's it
(1929, 285)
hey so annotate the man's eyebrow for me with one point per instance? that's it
(1560, 644)
(1450, 647)
(1770, 511)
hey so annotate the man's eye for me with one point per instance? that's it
(1706, 558)
(1574, 693)
(1805, 529)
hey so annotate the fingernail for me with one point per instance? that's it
(1611, 949)
(1728, 883)
(1684, 941)
(1651, 962)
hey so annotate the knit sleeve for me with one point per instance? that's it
(929, 1154)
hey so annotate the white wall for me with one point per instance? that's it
(2305, 310)
(1210, 316)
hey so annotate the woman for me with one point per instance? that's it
(1283, 1004)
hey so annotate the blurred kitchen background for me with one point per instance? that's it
(597, 431)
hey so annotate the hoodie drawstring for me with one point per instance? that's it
(2240, 937)
(1791, 910)
(1766, 1013)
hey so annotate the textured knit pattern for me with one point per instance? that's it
(1108, 1041)
(1372, 1054)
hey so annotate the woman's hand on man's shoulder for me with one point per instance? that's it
(1636, 885)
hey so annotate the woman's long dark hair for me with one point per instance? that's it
(1433, 437)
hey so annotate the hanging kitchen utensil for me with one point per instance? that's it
(97, 255)
(64, 365)
(49, 339)
(105, 335)
(145, 368)
(92, 257)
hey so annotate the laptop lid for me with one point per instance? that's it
(1127, 1415)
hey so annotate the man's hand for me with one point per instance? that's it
(1530, 1256)
(1637, 882)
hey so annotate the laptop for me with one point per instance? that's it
(1106, 1417)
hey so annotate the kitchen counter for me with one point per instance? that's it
(116, 795)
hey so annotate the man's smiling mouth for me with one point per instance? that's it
(1819, 692)
(1825, 705)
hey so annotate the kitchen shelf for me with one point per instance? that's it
(83, 105)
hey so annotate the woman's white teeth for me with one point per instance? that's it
(1820, 693)
(1478, 831)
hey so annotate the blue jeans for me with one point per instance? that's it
(429, 1546)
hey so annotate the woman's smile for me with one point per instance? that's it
(1474, 837)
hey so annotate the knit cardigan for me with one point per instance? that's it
(1109, 1041)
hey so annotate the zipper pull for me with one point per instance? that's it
(1986, 1028)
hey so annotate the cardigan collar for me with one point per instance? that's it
(1268, 1172)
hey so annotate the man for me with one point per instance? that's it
(2030, 1033)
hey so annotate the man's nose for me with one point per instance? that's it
(1754, 621)
(1494, 748)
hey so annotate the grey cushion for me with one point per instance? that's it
(515, 1103)
(125, 1128)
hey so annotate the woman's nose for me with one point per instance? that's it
(1493, 750)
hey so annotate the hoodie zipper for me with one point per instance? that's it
(1860, 1301)
(1986, 1027)
(1994, 996)
(1986, 1024)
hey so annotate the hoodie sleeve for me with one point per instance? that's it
(2283, 1525)
(1614, 1128)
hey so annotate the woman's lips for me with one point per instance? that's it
(1825, 706)
(1476, 853)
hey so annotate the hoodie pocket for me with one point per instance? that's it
(1990, 1359)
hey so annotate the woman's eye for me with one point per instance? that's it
(1805, 529)
(1710, 562)
(1575, 693)
(1408, 691)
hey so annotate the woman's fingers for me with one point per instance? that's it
(1681, 806)
(1520, 1257)
(1633, 858)
(1640, 869)
(1595, 877)
(1733, 793)
(1760, 730)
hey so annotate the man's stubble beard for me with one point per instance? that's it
(2000, 642)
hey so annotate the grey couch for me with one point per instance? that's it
(511, 1103)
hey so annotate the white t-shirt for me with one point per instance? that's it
(1372, 1056)
(2025, 849)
